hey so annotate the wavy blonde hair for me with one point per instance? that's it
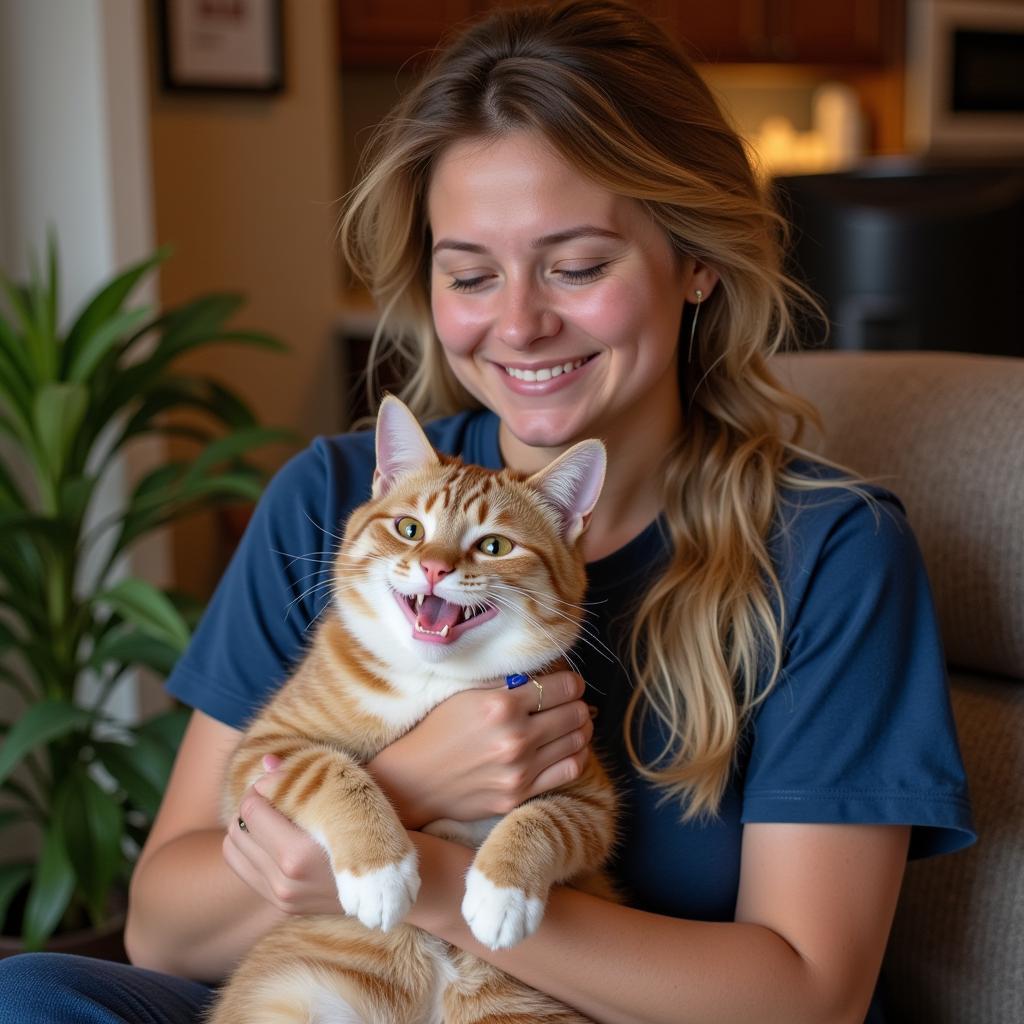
(621, 103)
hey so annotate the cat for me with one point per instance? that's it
(449, 577)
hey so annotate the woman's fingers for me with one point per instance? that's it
(279, 859)
(542, 693)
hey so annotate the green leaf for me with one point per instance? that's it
(134, 773)
(53, 276)
(91, 351)
(75, 493)
(167, 728)
(105, 305)
(57, 415)
(14, 346)
(41, 723)
(12, 878)
(233, 445)
(53, 884)
(129, 646)
(149, 608)
(15, 382)
(93, 823)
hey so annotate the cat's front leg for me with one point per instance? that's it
(332, 797)
(550, 839)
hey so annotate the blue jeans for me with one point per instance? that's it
(56, 988)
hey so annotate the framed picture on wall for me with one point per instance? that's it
(222, 46)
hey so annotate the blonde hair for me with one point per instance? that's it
(621, 103)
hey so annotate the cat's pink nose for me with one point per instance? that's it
(436, 570)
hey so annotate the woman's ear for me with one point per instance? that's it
(702, 278)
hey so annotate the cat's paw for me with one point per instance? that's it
(380, 899)
(499, 917)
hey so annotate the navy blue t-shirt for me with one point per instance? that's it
(857, 729)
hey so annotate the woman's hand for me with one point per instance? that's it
(483, 752)
(281, 861)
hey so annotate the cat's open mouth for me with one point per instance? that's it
(436, 621)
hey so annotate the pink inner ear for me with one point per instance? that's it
(573, 484)
(402, 447)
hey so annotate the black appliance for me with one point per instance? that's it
(910, 255)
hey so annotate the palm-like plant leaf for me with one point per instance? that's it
(70, 403)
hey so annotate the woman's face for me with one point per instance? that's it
(557, 302)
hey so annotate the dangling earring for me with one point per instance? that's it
(693, 325)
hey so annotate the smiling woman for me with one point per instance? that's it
(540, 218)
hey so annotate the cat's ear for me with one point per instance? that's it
(572, 483)
(402, 447)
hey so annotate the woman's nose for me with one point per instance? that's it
(526, 316)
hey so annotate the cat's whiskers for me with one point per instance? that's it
(549, 596)
(588, 634)
(504, 602)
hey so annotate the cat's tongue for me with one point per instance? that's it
(435, 613)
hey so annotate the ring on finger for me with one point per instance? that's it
(242, 825)
(540, 694)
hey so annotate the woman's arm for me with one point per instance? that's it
(189, 913)
(813, 916)
(200, 896)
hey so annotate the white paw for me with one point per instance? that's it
(380, 899)
(499, 917)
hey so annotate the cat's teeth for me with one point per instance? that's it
(444, 630)
(419, 601)
(467, 613)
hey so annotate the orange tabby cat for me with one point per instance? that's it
(449, 577)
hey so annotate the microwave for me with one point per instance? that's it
(965, 77)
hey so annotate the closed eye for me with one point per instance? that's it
(583, 276)
(467, 284)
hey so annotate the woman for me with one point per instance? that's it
(570, 241)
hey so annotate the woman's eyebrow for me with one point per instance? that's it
(556, 238)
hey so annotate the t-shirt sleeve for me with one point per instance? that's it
(859, 727)
(258, 623)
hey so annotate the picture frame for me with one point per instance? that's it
(221, 46)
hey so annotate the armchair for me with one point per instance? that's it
(946, 433)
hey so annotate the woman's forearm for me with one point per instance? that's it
(189, 914)
(618, 965)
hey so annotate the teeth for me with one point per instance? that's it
(444, 630)
(466, 613)
(419, 601)
(546, 373)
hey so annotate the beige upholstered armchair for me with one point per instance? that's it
(946, 433)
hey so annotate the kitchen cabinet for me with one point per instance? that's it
(386, 33)
(854, 32)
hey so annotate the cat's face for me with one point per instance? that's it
(479, 570)
(464, 566)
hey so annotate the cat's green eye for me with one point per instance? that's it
(495, 546)
(409, 528)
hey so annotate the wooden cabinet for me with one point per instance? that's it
(386, 33)
(790, 31)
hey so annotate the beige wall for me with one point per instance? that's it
(245, 190)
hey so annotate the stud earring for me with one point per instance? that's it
(693, 325)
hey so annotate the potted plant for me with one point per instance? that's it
(73, 623)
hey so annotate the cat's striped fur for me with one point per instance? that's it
(371, 673)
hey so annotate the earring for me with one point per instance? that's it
(693, 325)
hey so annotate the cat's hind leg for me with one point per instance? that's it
(482, 994)
(332, 970)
